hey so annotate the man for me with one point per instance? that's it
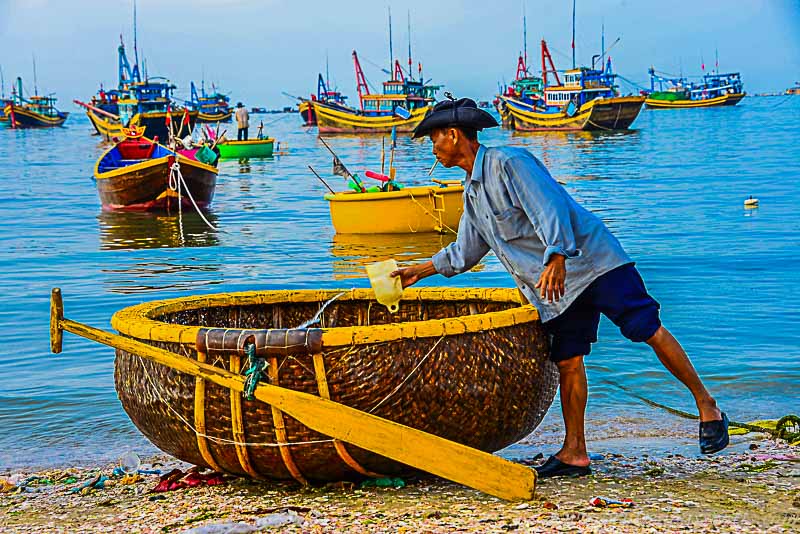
(563, 259)
(243, 122)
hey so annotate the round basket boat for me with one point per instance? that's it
(469, 365)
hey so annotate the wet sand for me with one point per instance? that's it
(756, 488)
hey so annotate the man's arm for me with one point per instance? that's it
(459, 256)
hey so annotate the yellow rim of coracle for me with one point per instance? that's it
(138, 321)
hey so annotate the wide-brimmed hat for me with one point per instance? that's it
(462, 112)
(239, 105)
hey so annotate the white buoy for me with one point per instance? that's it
(751, 202)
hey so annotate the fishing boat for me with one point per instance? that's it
(36, 111)
(713, 89)
(212, 107)
(427, 208)
(249, 384)
(140, 101)
(3, 103)
(794, 90)
(525, 89)
(331, 97)
(586, 100)
(138, 173)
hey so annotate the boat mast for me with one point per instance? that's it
(361, 81)
(573, 34)
(135, 43)
(410, 73)
(327, 73)
(2, 84)
(524, 37)
(391, 51)
(35, 83)
(603, 45)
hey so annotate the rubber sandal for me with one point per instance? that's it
(554, 467)
(714, 435)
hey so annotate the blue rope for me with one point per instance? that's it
(257, 369)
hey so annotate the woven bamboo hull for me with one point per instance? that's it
(616, 113)
(145, 186)
(332, 120)
(480, 376)
(410, 210)
(730, 99)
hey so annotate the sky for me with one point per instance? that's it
(255, 50)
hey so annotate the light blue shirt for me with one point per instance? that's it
(513, 207)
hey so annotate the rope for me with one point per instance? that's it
(435, 218)
(783, 428)
(408, 377)
(176, 183)
(258, 367)
(218, 439)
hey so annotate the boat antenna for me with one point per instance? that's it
(716, 59)
(2, 83)
(135, 47)
(35, 84)
(573, 34)
(410, 74)
(391, 50)
(525, 36)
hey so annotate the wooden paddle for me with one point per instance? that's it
(427, 452)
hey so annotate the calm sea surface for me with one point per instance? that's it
(672, 190)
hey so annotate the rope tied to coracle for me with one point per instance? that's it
(257, 369)
(178, 184)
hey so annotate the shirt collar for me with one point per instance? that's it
(477, 168)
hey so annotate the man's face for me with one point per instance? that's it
(445, 145)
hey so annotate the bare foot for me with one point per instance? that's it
(573, 458)
(709, 411)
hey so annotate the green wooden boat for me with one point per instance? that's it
(252, 148)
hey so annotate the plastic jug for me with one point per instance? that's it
(388, 289)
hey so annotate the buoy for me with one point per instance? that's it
(751, 202)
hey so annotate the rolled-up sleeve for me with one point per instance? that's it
(543, 200)
(463, 253)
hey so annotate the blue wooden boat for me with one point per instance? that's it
(713, 89)
(324, 94)
(36, 111)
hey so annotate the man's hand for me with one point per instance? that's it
(551, 282)
(415, 273)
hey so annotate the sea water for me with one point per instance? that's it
(672, 190)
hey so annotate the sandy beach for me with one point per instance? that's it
(754, 488)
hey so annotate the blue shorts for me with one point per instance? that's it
(621, 296)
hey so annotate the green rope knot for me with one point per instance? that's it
(257, 369)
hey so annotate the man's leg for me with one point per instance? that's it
(674, 358)
(239, 134)
(574, 391)
(245, 133)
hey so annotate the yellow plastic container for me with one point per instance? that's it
(388, 289)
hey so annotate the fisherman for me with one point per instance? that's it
(563, 259)
(242, 121)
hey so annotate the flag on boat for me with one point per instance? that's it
(186, 116)
(339, 169)
(168, 118)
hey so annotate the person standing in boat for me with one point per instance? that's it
(242, 121)
(563, 259)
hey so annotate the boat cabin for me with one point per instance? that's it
(145, 97)
(580, 86)
(410, 95)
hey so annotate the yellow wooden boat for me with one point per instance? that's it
(332, 119)
(430, 208)
(728, 99)
(614, 113)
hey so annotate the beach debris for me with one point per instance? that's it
(280, 519)
(605, 502)
(751, 202)
(547, 505)
(387, 482)
(95, 483)
(178, 479)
